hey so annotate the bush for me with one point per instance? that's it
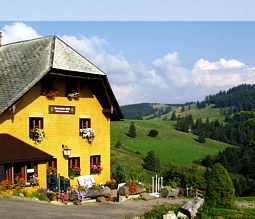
(184, 176)
(20, 192)
(160, 210)
(118, 144)
(132, 130)
(136, 174)
(41, 194)
(201, 139)
(119, 173)
(153, 133)
(220, 191)
(152, 162)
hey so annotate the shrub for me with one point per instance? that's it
(118, 144)
(41, 194)
(119, 173)
(153, 133)
(132, 130)
(201, 139)
(160, 210)
(136, 174)
(152, 162)
(220, 191)
(20, 192)
(184, 176)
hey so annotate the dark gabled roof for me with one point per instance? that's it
(23, 64)
(14, 150)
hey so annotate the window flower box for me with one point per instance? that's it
(88, 133)
(74, 171)
(50, 93)
(95, 168)
(73, 95)
(37, 135)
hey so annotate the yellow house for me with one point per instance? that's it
(55, 112)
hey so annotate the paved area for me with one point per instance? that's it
(16, 208)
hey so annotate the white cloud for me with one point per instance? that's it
(167, 81)
(17, 32)
(222, 73)
(202, 64)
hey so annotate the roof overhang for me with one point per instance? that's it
(13, 150)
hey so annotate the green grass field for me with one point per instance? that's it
(170, 145)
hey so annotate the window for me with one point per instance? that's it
(36, 131)
(74, 167)
(95, 164)
(53, 163)
(95, 159)
(35, 122)
(85, 123)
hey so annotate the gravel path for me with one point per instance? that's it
(11, 208)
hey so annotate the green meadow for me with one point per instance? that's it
(170, 145)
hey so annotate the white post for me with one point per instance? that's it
(152, 185)
(161, 182)
(156, 184)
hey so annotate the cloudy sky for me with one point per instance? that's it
(156, 61)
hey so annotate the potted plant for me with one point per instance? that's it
(37, 135)
(52, 172)
(63, 197)
(52, 196)
(112, 184)
(88, 133)
(95, 168)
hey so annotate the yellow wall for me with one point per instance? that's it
(62, 128)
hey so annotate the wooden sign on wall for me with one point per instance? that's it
(53, 109)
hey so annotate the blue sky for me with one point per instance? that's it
(152, 51)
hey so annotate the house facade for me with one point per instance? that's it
(55, 112)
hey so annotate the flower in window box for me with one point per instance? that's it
(50, 93)
(37, 135)
(52, 172)
(95, 168)
(73, 95)
(88, 133)
(74, 171)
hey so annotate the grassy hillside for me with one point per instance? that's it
(208, 112)
(170, 145)
(160, 111)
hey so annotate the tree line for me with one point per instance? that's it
(235, 131)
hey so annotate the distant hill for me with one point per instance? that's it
(141, 110)
(239, 98)
(234, 100)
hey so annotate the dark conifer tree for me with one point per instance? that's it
(132, 130)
